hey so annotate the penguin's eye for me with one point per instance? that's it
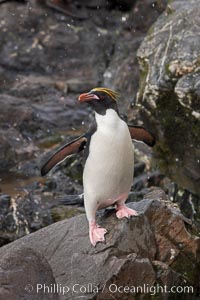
(102, 97)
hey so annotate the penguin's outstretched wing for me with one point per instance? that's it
(61, 154)
(141, 134)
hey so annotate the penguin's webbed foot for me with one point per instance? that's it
(124, 211)
(96, 233)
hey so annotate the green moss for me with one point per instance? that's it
(74, 169)
(150, 33)
(62, 212)
(167, 71)
(50, 141)
(143, 75)
(169, 10)
(177, 125)
(185, 267)
(197, 62)
(164, 156)
(180, 130)
(194, 229)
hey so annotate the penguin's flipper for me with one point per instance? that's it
(61, 154)
(141, 134)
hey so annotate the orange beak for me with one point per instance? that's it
(86, 97)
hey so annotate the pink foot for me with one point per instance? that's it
(96, 233)
(124, 211)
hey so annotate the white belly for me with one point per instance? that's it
(108, 171)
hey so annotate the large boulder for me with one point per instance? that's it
(170, 92)
(153, 248)
(21, 269)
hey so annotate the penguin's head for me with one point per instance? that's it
(100, 99)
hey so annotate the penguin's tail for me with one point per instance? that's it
(68, 200)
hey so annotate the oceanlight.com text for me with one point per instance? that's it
(107, 288)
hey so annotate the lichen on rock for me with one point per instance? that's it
(169, 91)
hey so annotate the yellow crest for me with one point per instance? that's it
(111, 93)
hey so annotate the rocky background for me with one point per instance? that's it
(50, 52)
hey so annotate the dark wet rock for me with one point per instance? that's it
(40, 117)
(189, 205)
(166, 276)
(47, 59)
(169, 91)
(22, 215)
(14, 148)
(28, 169)
(73, 10)
(41, 35)
(147, 180)
(5, 204)
(156, 243)
(139, 168)
(70, 200)
(59, 183)
(69, 7)
(79, 9)
(122, 72)
(25, 123)
(22, 269)
(135, 196)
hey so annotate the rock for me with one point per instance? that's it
(22, 270)
(139, 168)
(42, 72)
(65, 212)
(153, 248)
(169, 91)
(189, 205)
(40, 35)
(59, 184)
(147, 180)
(22, 215)
(122, 72)
(14, 148)
(37, 117)
(138, 195)
(25, 123)
(69, 7)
